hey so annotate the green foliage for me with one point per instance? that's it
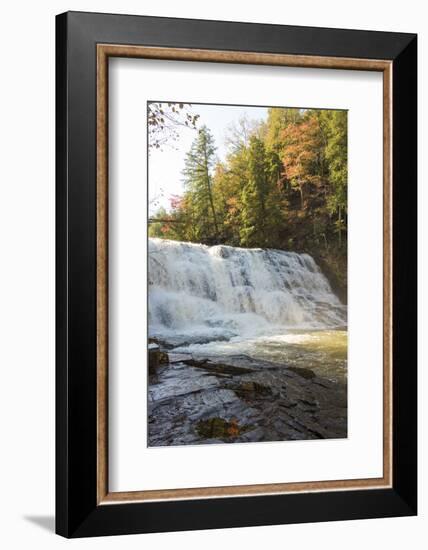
(193, 216)
(253, 197)
(156, 227)
(260, 212)
(278, 120)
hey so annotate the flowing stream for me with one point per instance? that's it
(266, 304)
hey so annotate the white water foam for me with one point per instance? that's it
(199, 293)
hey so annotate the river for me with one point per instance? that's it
(268, 305)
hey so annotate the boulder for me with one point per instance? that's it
(154, 356)
(303, 372)
(163, 358)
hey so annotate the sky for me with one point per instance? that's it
(166, 165)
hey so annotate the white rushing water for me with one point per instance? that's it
(199, 294)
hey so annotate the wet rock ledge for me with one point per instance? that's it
(201, 401)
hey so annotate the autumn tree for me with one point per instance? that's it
(277, 121)
(301, 156)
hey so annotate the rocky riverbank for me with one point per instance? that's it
(202, 401)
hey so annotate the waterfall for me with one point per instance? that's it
(219, 292)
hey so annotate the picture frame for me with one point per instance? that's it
(84, 44)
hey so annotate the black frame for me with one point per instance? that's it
(77, 513)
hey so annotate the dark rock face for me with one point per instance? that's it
(202, 402)
(306, 373)
(156, 356)
(163, 358)
(153, 358)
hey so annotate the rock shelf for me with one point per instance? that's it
(204, 401)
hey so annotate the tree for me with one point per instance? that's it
(223, 192)
(164, 121)
(157, 227)
(238, 133)
(261, 202)
(302, 156)
(278, 120)
(336, 153)
(199, 163)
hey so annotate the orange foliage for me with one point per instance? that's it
(233, 429)
(301, 152)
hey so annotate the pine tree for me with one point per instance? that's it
(336, 153)
(199, 163)
(254, 196)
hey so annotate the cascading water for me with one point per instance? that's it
(199, 294)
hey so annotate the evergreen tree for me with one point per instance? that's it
(261, 202)
(228, 181)
(198, 182)
(336, 153)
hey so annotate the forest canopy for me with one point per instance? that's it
(283, 185)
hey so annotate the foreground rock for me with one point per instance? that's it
(156, 356)
(208, 401)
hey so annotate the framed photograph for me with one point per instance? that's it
(236, 274)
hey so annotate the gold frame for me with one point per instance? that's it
(104, 52)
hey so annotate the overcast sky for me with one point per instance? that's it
(166, 166)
